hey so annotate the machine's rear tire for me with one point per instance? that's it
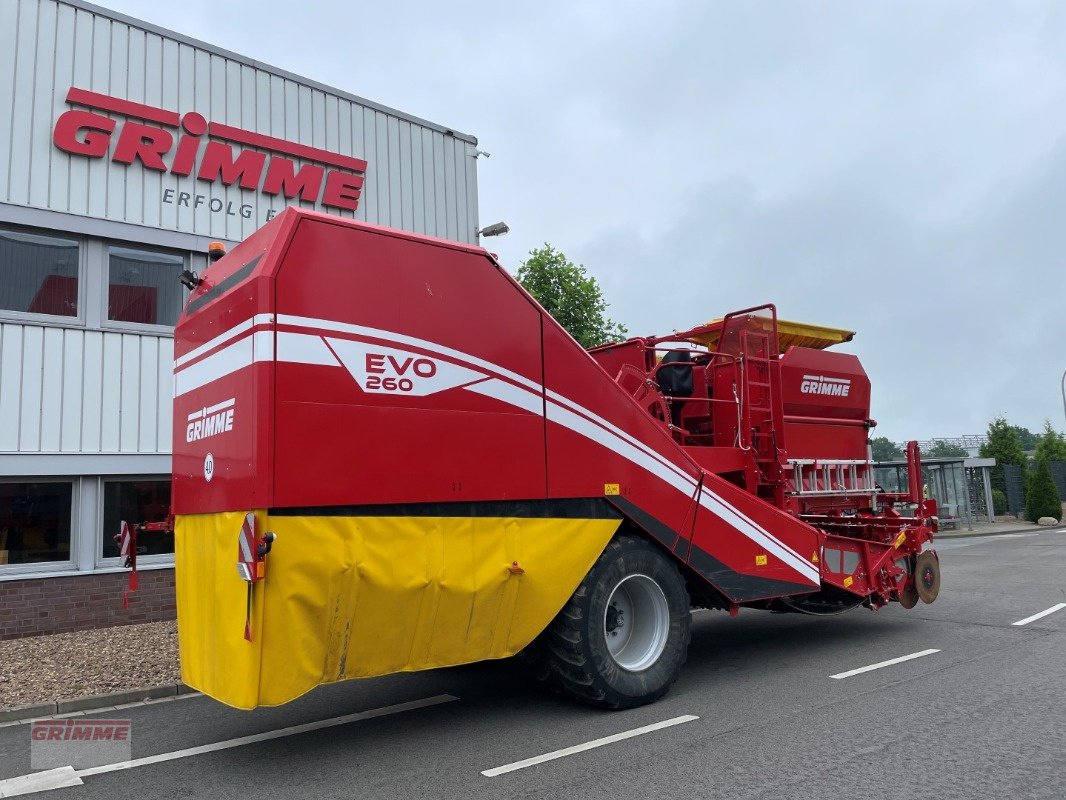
(623, 636)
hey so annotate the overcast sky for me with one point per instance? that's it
(896, 168)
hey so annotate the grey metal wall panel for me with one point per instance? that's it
(10, 385)
(30, 400)
(8, 44)
(92, 393)
(165, 396)
(73, 390)
(52, 390)
(111, 393)
(67, 390)
(419, 176)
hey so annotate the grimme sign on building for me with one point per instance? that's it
(173, 146)
(125, 149)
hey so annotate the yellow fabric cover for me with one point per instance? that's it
(355, 597)
(789, 334)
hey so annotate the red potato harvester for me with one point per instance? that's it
(388, 457)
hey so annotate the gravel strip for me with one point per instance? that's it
(40, 669)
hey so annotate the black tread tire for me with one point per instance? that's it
(574, 648)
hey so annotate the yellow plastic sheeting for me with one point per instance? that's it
(211, 601)
(789, 334)
(350, 597)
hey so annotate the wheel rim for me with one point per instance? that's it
(636, 623)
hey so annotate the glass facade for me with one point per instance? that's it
(947, 483)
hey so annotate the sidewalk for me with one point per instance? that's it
(993, 528)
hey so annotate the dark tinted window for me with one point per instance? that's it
(136, 501)
(35, 522)
(143, 286)
(38, 274)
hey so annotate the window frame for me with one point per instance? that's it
(8, 571)
(77, 320)
(109, 324)
(99, 561)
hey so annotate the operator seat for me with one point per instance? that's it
(674, 376)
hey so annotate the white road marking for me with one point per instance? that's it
(75, 776)
(39, 782)
(268, 735)
(881, 664)
(1044, 613)
(580, 748)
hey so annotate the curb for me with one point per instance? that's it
(93, 702)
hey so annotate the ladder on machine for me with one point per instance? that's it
(758, 430)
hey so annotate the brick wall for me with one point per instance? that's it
(38, 606)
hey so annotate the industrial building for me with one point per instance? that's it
(129, 149)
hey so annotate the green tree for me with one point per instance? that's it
(1026, 437)
(1051, 445)
(941, 449)
(1043, 498)
(885, 450)
(570, 294)
(1004, 444)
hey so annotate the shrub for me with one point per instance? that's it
(999, 502)
(1042, 499)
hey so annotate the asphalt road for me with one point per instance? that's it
(984, 717)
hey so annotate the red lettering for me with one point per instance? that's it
(282, 177)
(218, 162)
(342, 190)
(90, 134)
(425, 368)
(399, 368)
(96, 138)
(143, 142)
(185, 158)
(55, 734)
(375, 363)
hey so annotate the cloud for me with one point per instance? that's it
(896, 168)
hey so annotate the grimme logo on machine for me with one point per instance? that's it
(819, 384)
(332, 179)
(210, 421)
(387, 370)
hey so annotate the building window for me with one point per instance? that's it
(35, 522)
(136, 501)
(143, 286)
(38, 274)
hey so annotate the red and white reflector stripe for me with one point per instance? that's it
(127, 550)
(247, 564)
(124, 540)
